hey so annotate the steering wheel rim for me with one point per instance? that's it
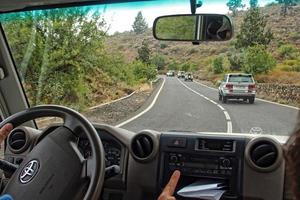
(73, 121)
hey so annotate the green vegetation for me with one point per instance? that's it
(288, 51)
(258, 60)
(163, 46)
(176, 28)
(159, 61)
(253, 30)
(286, 5)
(174, 65)
(139, 25)
(144, 53)
(236, 60)
(61, 58)
(144, 72)
(253, 3)
(217, 65)
(234, 5)
(187, 66)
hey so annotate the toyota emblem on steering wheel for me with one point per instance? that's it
(29, 171)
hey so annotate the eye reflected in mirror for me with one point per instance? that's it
(202, 27)
(218, 28)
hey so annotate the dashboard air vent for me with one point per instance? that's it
(264, 154)
(17, 141)
(142, 146)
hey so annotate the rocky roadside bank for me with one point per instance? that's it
(117, 111)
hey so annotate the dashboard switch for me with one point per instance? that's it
(177, 142)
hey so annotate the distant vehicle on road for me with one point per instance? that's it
(237, 86)
(180, 74)
(188, 76)
(171, 73)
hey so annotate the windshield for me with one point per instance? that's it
(104, 62)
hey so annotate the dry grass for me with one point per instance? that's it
(280, 77)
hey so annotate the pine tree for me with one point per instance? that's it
(144, 53)
(139, 25)
(286, 5)
(234, 5)
(253, 3)
(253, 30)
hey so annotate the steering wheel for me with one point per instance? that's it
(55, 168)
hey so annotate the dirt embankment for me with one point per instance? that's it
(117, 111)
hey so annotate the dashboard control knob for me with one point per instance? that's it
(173, 158)
(226, 163)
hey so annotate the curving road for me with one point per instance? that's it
(191, 106)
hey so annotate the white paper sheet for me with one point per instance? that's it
(207, 190)
(204, 194)
(201, 185)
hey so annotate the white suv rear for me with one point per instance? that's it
(237, 86)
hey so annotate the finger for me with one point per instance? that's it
(5, 130)
(171, 198)
(170, 187)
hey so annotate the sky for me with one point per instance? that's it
(120, 17)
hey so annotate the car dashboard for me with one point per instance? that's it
(248, 166)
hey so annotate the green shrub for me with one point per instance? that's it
(287, 51)
(174, 65)
(236, 61)
(217, 65)
(289, 68)
(159, 61)
(144, 72)
(258, 60)
(294, 35)
(187, 66)
(291, 62)
(163, 45)
(192, 51)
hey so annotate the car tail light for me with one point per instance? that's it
(229, 87)
(251, 88)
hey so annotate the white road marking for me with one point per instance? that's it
(227, 117)
(213, 102)
(259, 99)
(146, 110)
(221, 107)
(229, 127)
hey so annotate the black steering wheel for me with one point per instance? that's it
(55, 168)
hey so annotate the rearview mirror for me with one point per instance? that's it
(199, 27)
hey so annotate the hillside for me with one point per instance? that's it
(286, 30)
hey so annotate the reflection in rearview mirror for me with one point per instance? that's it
(203, 27)
(176, 28)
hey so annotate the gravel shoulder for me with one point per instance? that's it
(118, 111)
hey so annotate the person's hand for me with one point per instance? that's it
(4, 131)
(167, 193)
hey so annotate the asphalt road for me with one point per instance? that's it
(190, 106)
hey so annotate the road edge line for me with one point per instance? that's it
(226, 114)
(144, 111)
